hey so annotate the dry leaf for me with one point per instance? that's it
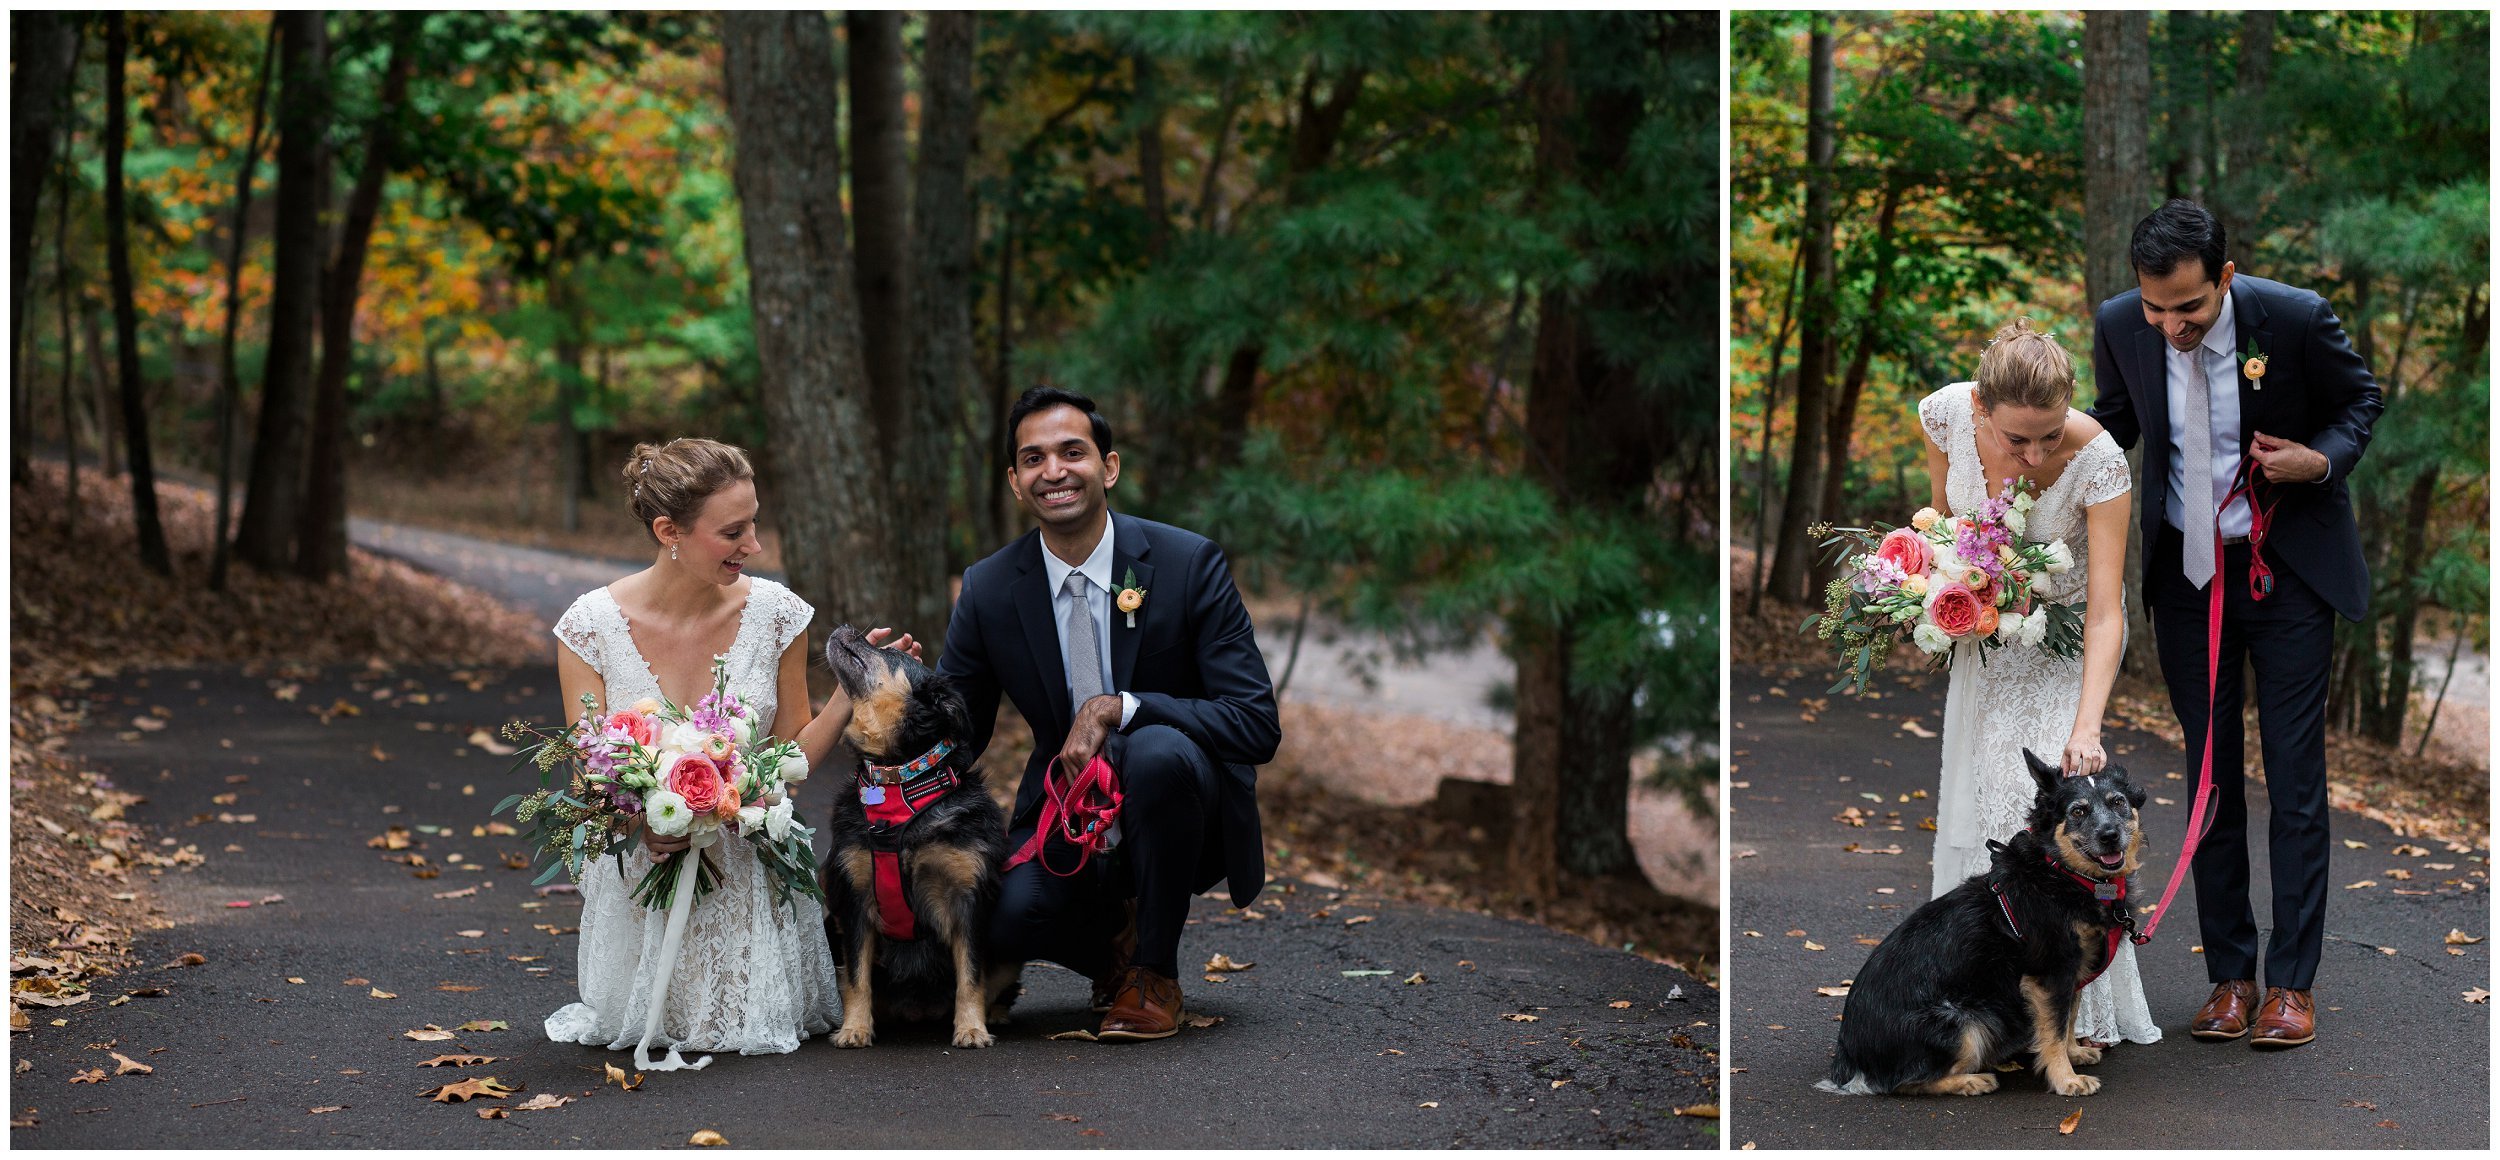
(1796, 934)
(1202, 1022)
(1621, 1004)
(1358, 920)
(379, 993)
(1063, 1117)
(2401, 875)
(2363, 884)
(543, 1101)
(1814, 946)
(463, 892)
(2477, 995)
(1416, 979)
(495, 1112)
(124, 1065)
(394, 838)
(91, 1075)
(2066, 1127)
(327, 1110)
(427, 1034)
(470, 933)
(2349, 844)
(616, 1075)
(1222, 962)
(1700, 1111)
(293, 979)
(467, 1061)
(481, 739)
(1914, 729)
(1080, 1033)
(1429, 1104)
(2458, 938)
(1090, 1132)
(707, 1138)
(485, 1025)
(1832, 992)
(487, 1086)
(1217, 978)
(1557, 1083)
(458, 988)
(1515, 1017)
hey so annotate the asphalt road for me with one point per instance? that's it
(243, 1054)
(2402, 1060)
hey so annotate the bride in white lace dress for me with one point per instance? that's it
(752, 977)
(2017, 420)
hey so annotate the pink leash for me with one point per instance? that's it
(2260, 586)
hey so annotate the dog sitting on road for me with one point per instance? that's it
(1977, 980)
(917, 846)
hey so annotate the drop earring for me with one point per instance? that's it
(672, 551)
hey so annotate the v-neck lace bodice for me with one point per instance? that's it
(2098, 472)
(596, 629)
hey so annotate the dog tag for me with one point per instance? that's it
(872, 795)
(2105, 891)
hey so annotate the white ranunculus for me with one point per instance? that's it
(793, 768)
(777, 820)
(2035, 628)
(2023, 501)
(2061, 558)
(1947, 562)
(684, 738)
(750, 817)
(2015, 521)
(1930, 639)
(2010, 626)
(667, 812)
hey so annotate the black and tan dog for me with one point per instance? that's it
(1980, 979)
(917, 846)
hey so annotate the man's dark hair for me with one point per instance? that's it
(1037, 399)
(2179, 230)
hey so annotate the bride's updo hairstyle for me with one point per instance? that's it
(674, 478)
(2026, 368)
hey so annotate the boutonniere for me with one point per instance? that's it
(2253, 365)
(1131, 596)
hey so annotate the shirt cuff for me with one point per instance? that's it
(1128, 709)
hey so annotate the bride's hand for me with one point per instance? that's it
(662, 847)
(2084, 755)
(876, 639)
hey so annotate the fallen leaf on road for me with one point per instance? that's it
(2066, 1127)
(541, 1102)
(194, 959)
(2364, 1105)
(1393, 1051)
(2477, 995)
(91, 1075)
(1222, 962)
(1700, 1111)
(458, 988)
(1864, 941)
(481, 739)
(616, 1075)
(1202, 1022)
(485, 1025)
(1815, 946)
(1429, 1104)
(707, 1138)
(1215, 978)
(1063, 1117)
(1914, 729)
(1515, 1017)
(1416, 979)
(2401, 875)
(128, 1066)
(1556, 1084)
(2349, 844)
(2361, 884)
(463, 892)
(467, 1061)
(470, 933)
(294, 979)
(379, 993)
(467, 1089)
(523, 958)
(2409, 850)
(1363, 974)
(1621, 1004)
(497, 1112)
(327, 1110)
(1832, 992)
(427, 1034)
(1796, 934)
(2458, 938)
(394, 838)
(1358, 920)
(1079, 1033)
(1090, 1132)
(377, 753)
(2384, 1124)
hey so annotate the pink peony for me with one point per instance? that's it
(1955, 609)
(1906, 550)
(633, 725)
(694, 778)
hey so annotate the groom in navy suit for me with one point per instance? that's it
(1174, 695)
(2210, 367)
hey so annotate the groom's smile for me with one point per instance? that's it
(2182, 304)
(1059, 472)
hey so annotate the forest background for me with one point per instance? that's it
(1905, 183)
(1415, 313)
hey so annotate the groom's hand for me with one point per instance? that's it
(876, 639)
(2285, 461)
(1095, 720)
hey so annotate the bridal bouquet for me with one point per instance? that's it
(1943, 580)
(697, 772)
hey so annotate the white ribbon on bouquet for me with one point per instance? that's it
(681, 908)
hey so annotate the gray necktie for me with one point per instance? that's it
(2196, 493)
(1084, 649)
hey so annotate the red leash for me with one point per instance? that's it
(2260, 586)
(1082, 810)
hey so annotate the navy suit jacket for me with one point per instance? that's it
(1191, 662)
(2316, 392)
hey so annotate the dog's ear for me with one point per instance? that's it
(950, 703)
(2135, 797)
(2043, 774)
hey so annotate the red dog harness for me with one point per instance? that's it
(2111, 892)
(1082, 811)
(892, 796)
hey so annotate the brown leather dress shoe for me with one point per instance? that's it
(2225, 1014)
(2285, 1019)
(1145, 1005)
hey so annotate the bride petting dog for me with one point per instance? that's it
(1123, 643)
(2254, 411)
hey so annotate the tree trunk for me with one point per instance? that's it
(2241, 191)
(61, 292)
(880, 201)
(942, 266)
(1815, 343)
(321, 540)
(1844, 410)
(108, 450)
(2117, 184)
(276, 491)
(1770, 410)
(151, 529)
(43, 59)
(229, 384)
(829, 471)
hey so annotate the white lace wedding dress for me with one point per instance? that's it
(2022, 697)
(752, 977)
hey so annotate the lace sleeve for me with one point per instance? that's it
(791, 616)
(578, 631)
(2106, 476)
(1932, 415)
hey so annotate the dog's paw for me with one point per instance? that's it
(1972, 1084)
(854, 1037)
(2081, 1085)
(2084, 1054)
(974, 1037)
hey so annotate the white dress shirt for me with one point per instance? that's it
(1097, 570)
(2218, 361)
